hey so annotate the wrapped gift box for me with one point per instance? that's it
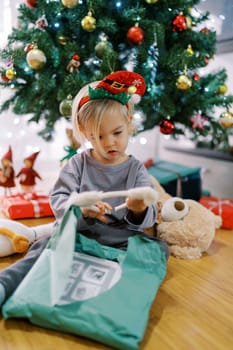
(221, 207)
(177, 179)
(26, 205)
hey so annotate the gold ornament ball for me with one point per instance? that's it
(226, 119)
(62, 39)
(36, 59)
(183, 82)
(65, 107)
(132, 89)
(101, 48)
(10, 73)
(151, 1)
(189, 22)
(222, 89)
(88, 23)
(189, 50)
(70, 3)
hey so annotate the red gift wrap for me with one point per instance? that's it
(26, 205)
(222, 207)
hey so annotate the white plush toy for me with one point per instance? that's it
(84, 199)
(186, 226)
(16, 237)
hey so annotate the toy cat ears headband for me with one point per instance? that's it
(119, 86)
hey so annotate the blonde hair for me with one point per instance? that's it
(94, 110)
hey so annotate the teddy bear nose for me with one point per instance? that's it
(179, 205)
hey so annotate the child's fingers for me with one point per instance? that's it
(104, 207)
(101, 218)
(98, 211)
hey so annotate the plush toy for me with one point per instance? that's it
(88, 199)
(7, 172)
(16, 237)
(27, 174)
(185, 225)
(73, 65)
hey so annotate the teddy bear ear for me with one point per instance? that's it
(174, 209)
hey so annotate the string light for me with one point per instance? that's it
(222, 17)
(143, 140)
(16, 121)
(118, 4)
(56, 25)
(9, 135)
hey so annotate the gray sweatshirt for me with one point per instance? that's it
(83, 173)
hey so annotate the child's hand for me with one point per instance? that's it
(137, 209)
(102, 208)
(136, 205)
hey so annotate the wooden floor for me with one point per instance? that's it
(193, 309)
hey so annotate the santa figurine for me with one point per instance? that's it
(73, 65)
(27, 175)
(7, 173)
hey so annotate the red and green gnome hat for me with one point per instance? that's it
(119, 86)
(8, 155)
(32, 157)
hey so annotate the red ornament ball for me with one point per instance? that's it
(135, 35)
(196, 76)
(31, 3)
(29, 47)
(179, 23)
(166, 127)
(4, 77)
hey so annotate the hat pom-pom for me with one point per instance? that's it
(135, 99)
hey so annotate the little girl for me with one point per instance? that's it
(106, 122)
(102, 115)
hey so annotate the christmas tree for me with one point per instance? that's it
(59, 46)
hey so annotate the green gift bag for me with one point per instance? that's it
(82, 287)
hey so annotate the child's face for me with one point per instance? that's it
(113, 138)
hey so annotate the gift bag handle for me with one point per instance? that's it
(62, 246)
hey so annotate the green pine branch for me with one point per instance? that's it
(38, 93)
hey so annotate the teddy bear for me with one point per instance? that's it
(185, 225)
